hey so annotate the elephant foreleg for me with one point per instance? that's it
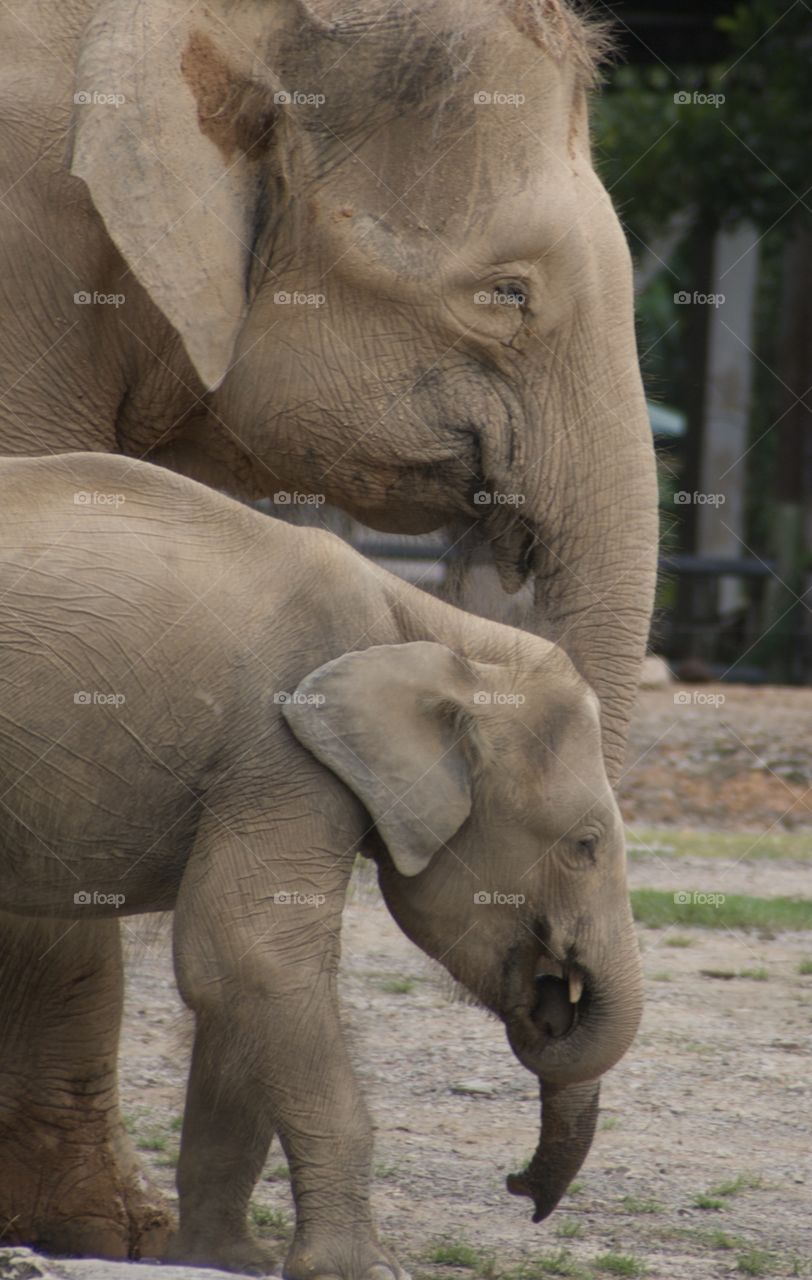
(269, 1055)
(69, 1179)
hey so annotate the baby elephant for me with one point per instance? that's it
(209, 711)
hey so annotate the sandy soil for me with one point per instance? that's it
(742, 763)
(716, 1087)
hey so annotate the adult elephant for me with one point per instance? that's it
(360, 252)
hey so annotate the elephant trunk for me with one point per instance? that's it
(594, 578)
(568, 1049)
(568, 1117)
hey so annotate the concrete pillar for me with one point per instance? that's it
(723, 464)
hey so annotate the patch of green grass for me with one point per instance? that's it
(661, 976)
(755, 1263)
(732, 1187)
(575, 1188)
(270, 1222)
(805, 968)
(569, 1229)
(554, 1264)
(176, 1124)
(278, 1173)
(679, 940)
(385, 1171)
(657, 908)
(129, 1122)
(721, 1240)
(756, 975)
(151, 1142)
(641, 842)
(170, 1159)
(610, 1122)
(453, 1253)
(397, 986)
(619, 1264)
(634, 1205)
(703, 1201)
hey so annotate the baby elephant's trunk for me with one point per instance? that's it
(569, 1114)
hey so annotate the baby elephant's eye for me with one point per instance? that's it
(588, 846)
(510, 293)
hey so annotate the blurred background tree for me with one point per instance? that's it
(686, 168)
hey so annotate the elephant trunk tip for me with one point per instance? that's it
(568, 1122)
(518, 1184)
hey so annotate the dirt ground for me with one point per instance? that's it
(730, 757)
(716, 1089)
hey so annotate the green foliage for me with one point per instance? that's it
(270, 1222)
(730, 160)
(619, 1264)
(732, 846)
(657, 908)
(634, 1205)
(554, 1264)
(151, 1142)
(733, 1186)
(805, 968)
(755, 1263)
(397, 986)
(569, 1229)
(455, 1254)
(703, 1201)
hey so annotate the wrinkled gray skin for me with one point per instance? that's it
(147, 630)
(185, 187)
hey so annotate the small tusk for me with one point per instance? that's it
(576, 983)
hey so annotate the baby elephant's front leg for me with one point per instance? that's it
(269, 1056)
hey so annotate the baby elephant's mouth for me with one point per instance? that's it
(559, 994)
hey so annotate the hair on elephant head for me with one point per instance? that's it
(500, 852)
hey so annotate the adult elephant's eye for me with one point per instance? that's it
(588, 846)
(510, 293)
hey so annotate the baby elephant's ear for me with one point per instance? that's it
(391, 722)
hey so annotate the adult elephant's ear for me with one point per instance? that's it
(396, 723)
(169, 129)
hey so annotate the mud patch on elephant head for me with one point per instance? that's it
(235, 113)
